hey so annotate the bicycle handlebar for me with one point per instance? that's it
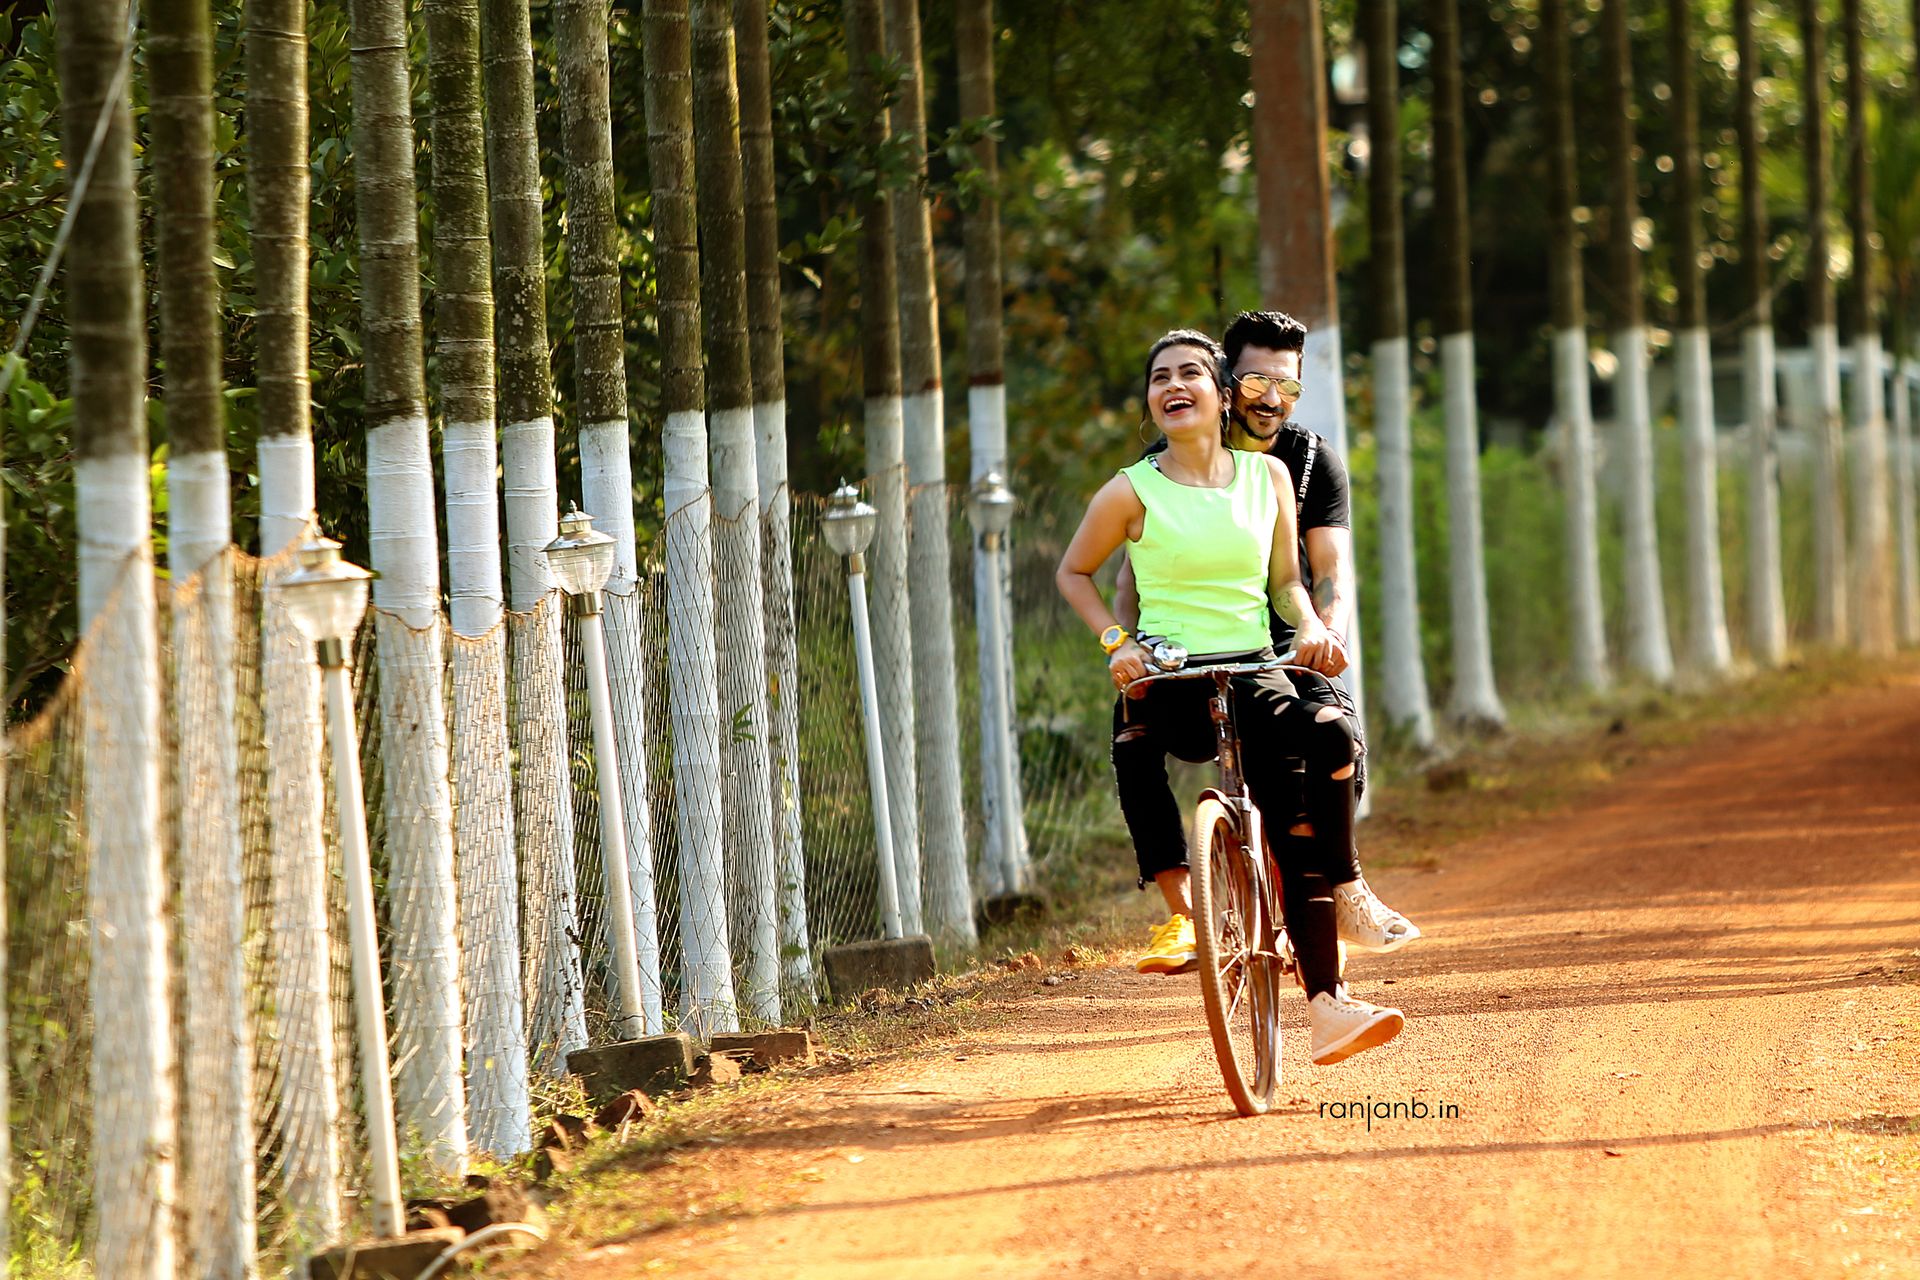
(1280, 663)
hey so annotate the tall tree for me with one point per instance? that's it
(1872, 530)
(430, 1095)
(767, 337)
(1403, 681)
(1003, 868)
(709, 995)
(738, 609)
(543, 809)
(606, 469)
(886, 460)
(218, 1079)
(1706, 601)
(1823, 336)
(129, 980)
(482, 781)
(936, 721)
(1294, 193)
(1906, 548)
(1647, 647)
(1475, 700)
(307, 1123)
(1572, 397)
(1766, 600)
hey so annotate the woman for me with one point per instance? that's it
(1211, 537)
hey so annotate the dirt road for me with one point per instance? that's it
(1673, 1033)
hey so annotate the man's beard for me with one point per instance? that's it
(1246, 422)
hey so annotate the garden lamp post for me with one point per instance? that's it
(849, 526)
(582, 561)
(990, 510)
(326, 597)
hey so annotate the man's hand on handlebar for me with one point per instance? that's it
(1128, 663)
(1319, 647)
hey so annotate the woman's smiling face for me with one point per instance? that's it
(1183, 393)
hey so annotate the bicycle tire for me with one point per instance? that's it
(1238, 984)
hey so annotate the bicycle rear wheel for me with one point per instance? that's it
(1239, 982)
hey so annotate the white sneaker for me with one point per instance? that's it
(1343, 1026)
(1367, 922)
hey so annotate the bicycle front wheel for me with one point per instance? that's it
(1239, 984)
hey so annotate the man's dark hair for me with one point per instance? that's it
(1273, 330)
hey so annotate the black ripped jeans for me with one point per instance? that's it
(1276, 728)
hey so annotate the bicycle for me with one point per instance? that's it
(1238, 922)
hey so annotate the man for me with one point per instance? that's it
(1264, 352)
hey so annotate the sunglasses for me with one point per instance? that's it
(1256, 385)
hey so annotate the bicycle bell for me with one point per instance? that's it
(1167, 655)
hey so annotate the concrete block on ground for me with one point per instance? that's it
(1006, 908)
(652, 1064)
(895, 964)
(767, 1047)
(400, 1258)
(719, 1068)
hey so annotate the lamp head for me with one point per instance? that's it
(990, 504)
(581, 557)
(849, 521)
(326, 596)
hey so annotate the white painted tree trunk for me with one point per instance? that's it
(893, 643)
(307, 1124)
(218, 1074)
(947, 893)
(1476, 697)
(1573, 405)
(740, 638)
(1323, 408)
(1906, 553)
(707, 997)
(1766, 600)
(606, 482)
(1706, 595)
(1403, 680)
(1829, 528)
(553, 985)
(1003, 866)
(1648, 649)
(430, 1086)
(1872, 528)
(783, 707)
(128, 983)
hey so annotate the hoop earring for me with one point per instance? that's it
(1146, 425)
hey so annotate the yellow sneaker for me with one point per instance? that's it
(1171, 949)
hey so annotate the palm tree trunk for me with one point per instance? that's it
(218, 1191)
(886, 466)
(949, 899)
(767, 338)
(430, 1092)
(1572, 398)
(498, 1103)
(551, 980)
(1476, 699)
(709, 995)
(1293, 192)
(1647, 647)
(753, 906)
(307, 1122)
(1766, 599)
(129, 982)
(1004, 866)
(1706, 599)
(606, 470)
(1829, 529)
(1403, 681)
(1872, 528)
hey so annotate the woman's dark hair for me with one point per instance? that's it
(1215, 357)
(1272, 330)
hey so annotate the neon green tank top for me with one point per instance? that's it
(1201, 561)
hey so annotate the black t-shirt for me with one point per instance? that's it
(1321, 499)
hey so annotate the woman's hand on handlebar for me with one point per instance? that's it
(1319, 647)
(1128, 663)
